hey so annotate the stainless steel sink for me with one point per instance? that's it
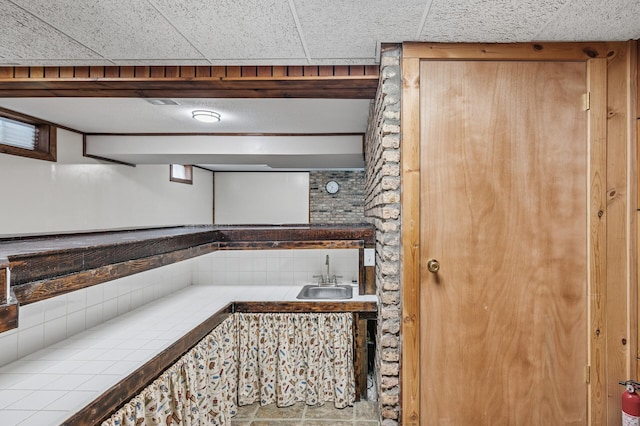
(314, 291)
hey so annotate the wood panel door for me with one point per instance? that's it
(503, 208)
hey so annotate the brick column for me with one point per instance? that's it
(382, 208)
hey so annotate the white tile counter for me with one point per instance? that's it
(48, 386)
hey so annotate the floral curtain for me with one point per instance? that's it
(200, 389)
(286, 358)
(271, 358)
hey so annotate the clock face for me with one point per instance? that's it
(332, 187)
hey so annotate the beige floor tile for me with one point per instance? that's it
(329, 412)
(366, 410)
(272, 411)
(240, 422)
(277, 422)
(247, 411)
(327, 423)
(366, 423)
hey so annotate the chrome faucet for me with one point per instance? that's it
(326, 262)
(327, 279)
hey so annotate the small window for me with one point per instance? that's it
(181, 173)
(26, 136)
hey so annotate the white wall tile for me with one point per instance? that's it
(54, 307)
(76, 322)
(124, 284)
(110, 309)
(137, 298)
(30, 340)
(110, 289)
(55, 330)
(31, 314)
(95, 294)
(9, 345)
(124, 303)
(94, 315)
(76, 300)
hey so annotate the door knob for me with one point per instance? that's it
(433, 265)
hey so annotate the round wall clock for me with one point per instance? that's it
(332, 187)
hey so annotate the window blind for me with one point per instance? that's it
(18, 134)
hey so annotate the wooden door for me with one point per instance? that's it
(503, 208)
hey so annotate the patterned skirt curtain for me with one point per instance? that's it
(289, 358)
(200, 389)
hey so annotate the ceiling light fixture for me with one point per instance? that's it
(205, 115)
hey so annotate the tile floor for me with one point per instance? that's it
(363, 413)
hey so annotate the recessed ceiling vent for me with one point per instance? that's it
(162, 102)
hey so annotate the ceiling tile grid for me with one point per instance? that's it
(336, 29)
(286, 32)
(229, 30)
(503, 21)
(25, 37)
(116, 29)
(595, 20)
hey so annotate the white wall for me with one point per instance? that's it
(261, 198)
(274, 267)
(78, 193)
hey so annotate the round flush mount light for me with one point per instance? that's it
(205, 115)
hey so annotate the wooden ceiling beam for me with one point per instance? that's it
(341, 82)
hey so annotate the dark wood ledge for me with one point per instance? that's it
(298, 307)
(9, 314)
(44, 266)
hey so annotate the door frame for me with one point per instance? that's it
(612, 193)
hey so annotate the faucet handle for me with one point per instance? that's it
(321, 278)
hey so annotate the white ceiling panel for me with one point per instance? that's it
(277, 152)
(482, 21)
(125, 29)
(230, 29)
(23, 36)
(337, 29)
(595, 20)
(135, 115)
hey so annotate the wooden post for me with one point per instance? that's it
(4, 285)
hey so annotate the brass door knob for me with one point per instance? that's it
(433, 265)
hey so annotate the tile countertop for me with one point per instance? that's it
(48, 386)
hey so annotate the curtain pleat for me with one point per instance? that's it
(271, 358)
(287, 358)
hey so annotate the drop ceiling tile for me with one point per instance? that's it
(481, 21)
(231, 30)
(352, 29)
(116, 29)
(595, 20)
(24, 36)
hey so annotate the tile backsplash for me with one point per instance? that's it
(274, 267)
(44, 323)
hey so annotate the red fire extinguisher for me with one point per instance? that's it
(631, 404)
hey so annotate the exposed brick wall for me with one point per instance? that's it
(347, 206)
(382, 208)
